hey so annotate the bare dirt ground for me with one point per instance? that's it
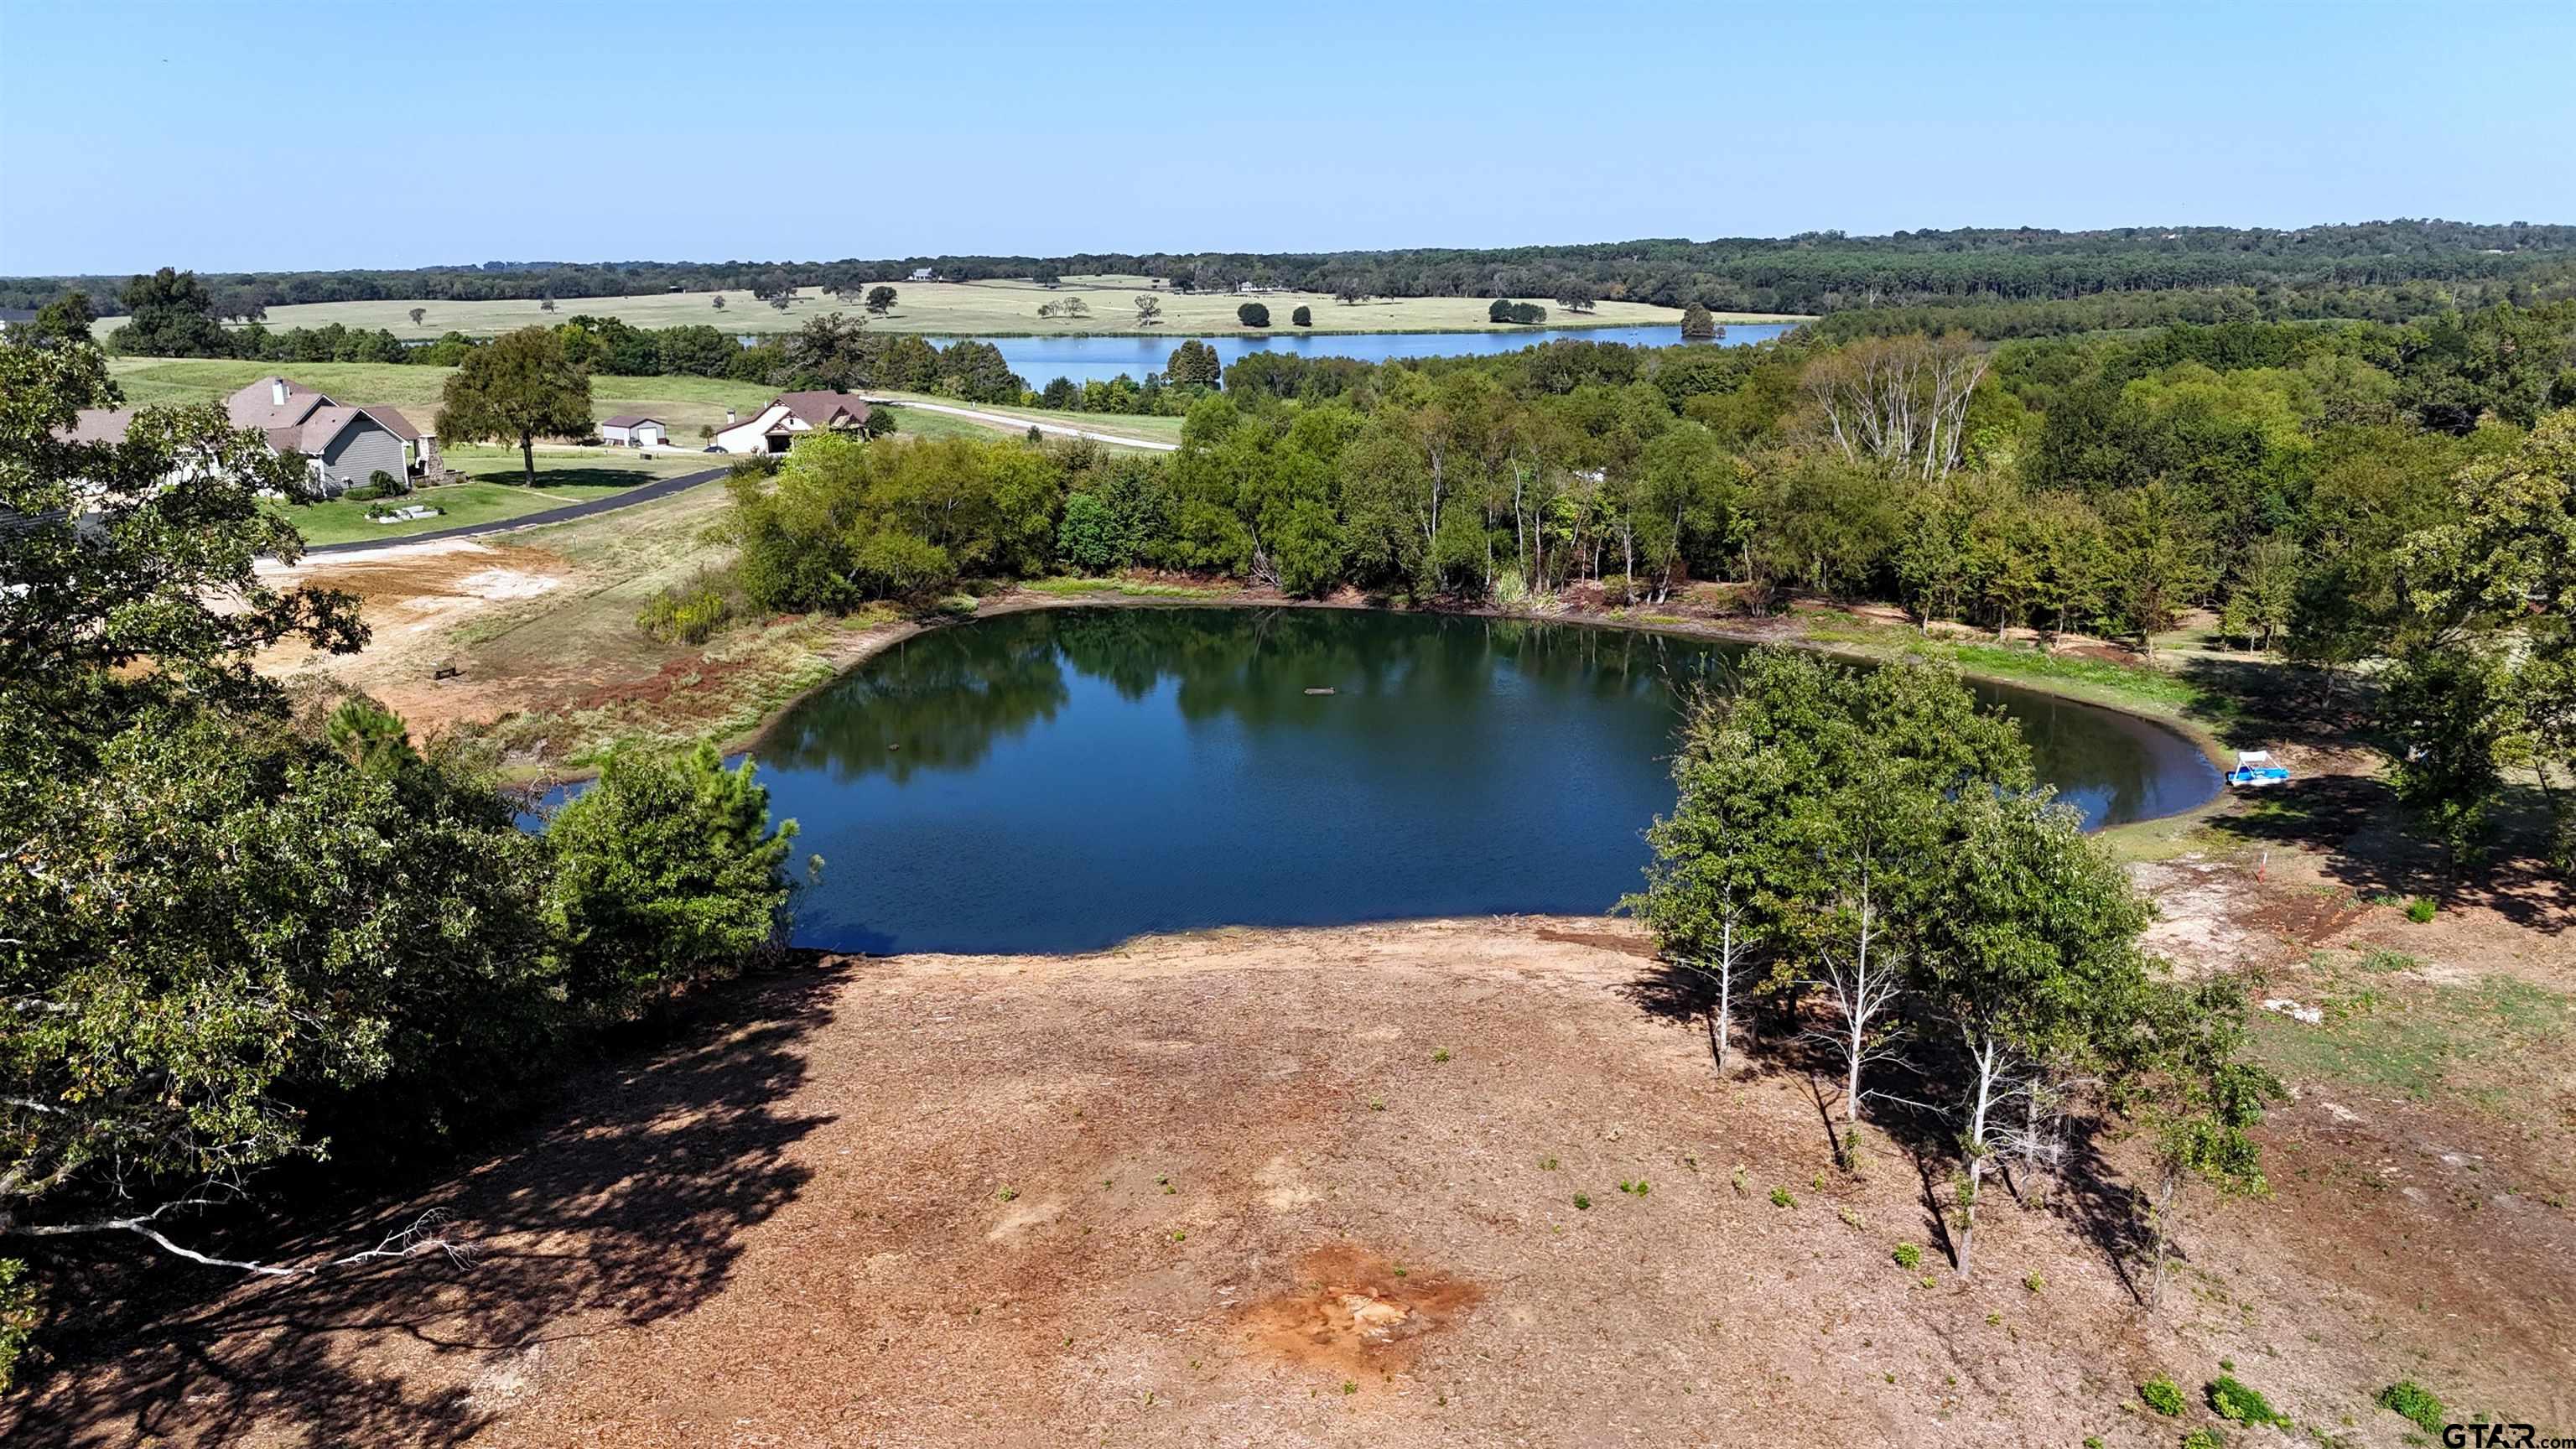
(1330, 1187)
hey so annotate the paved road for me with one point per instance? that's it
(668, 486)
(644, 493)
(1022, 425)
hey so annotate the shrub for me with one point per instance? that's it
(1252, 314)
(387, 485)
(1908, 1257)
(2239, 1403)
(363, 493)
(2420, 910)
(1303, 316)
(2162, 1395)
(2405, 1398)
(667, 873)
(19, 1316)
(1582, 1202)
(688, 615)
(2035, 1283)
(1780, 1198)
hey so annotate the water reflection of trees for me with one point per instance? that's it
(942, 701)
(937, 702)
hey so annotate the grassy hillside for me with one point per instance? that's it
(682, 402)
(958, 308)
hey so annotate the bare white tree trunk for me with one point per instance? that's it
(1862, 985)
(1987, 1088)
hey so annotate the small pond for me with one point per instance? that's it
(1062, 780)
(1041, 360)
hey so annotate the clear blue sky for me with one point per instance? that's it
(265, 134)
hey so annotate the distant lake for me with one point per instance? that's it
(1060, 781)
(1041, 360)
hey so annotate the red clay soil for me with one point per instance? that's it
(1225, 1189)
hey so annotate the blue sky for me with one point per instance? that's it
(279, 135)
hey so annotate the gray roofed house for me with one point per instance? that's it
(342, 445)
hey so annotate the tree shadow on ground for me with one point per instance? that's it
(2351, 820)
(2088, 1192)
(627, 1204)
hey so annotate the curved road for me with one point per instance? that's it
(642, 493)
(664, 488)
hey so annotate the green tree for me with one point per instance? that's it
(170, 314)
(2496, 581)
(2028, 956)
(64, 321)
(2199, 1101)
(1252, 314)
(1303, 317)
(1698, 323)
(2159, 558)
(522, 386)
(881, 299)
(1192, 364)
(1149, 310)
(221, 936)
(667, 875)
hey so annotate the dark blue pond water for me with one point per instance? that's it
(1041, 360)
(1061, 781)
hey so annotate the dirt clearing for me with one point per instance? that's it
(1429, 1182)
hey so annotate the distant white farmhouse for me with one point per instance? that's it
(342, 446)
(925, 274)
(790, 416)
(633, 431)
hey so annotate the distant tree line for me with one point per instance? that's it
(1817, 272)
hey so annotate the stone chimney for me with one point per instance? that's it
(277, 391)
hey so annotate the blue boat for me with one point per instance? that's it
(2255, 767)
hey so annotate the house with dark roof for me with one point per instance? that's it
(790, 416)
(634, 430)
(342, 445)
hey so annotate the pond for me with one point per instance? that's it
(1062, 780)
(1041, 360)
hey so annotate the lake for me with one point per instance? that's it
(1062, 780)
(1041, 360)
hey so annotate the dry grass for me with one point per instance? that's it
(965, 308)
(1318, 1187)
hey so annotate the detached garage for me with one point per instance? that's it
(634, 432)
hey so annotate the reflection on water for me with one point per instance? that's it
(1063, 780)
(1041, 360)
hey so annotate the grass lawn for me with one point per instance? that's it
(684, 403)
(986, 308)
(493, 493)
(928, 424)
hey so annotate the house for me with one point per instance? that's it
(774, 428)
(629, 430)
(342, 445)
(925, 274)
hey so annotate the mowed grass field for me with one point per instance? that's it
(988, 308)
(684, 403)
(493, 491)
